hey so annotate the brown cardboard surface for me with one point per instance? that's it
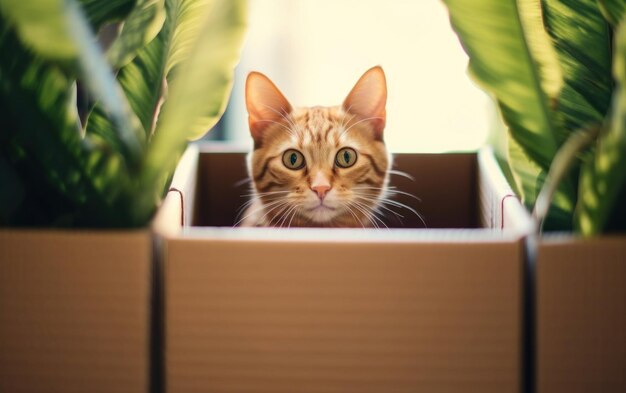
(581, 315)
(313, 310)
(74, 311)
(259, 316)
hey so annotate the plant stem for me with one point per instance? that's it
(561, 165)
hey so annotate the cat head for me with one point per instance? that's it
(318, 166)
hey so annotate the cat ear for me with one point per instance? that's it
(368, 98)
(265, 103)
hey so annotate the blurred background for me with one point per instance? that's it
(315, 51)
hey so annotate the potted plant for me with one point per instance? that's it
(557, 70)
(89, 140)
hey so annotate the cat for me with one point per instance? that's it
(317, 166)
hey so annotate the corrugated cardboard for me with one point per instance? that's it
(74, 311)
(581, 314)
(577, 314)
(375, 310)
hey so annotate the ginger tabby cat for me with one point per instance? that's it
(317, 166)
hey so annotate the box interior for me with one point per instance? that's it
(446, 185)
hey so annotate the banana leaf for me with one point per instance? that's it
(603, 177)
(64, 178)
(67, 179)
(44, 25)
(203, 38)
(98, 78)
(63, 23)
(143, 24)
(520, 70)
(197, 97)
(582, 41)
(101, 12)
(613, 10)
(145, 79)
(61, 176)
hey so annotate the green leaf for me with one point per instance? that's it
(603, 177)
(500, 60)
(12, 193)
(142, 82)
(613, 10)
(43, 24)
(541, 50)
(198, 95)
(530, 177)
(521, 72)
(194, 54)
(100, 12)
(145, 79)
(142, 25)
(582, 41)
(97, 75)
(67, 178)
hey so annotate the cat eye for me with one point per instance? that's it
(293, 159)
(346, 157)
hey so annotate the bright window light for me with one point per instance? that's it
(315, 50)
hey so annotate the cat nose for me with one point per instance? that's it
(320, 185)
(321, 190)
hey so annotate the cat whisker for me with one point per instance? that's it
(260, 194)
(257, 198)
(293, 215)
(390, 202)
(365, 215)
(351, 204)
(347, 206)
(382, 206)
(246, 205)
(281, 215)
(349, 108)
(242, 182)
(281, 208)
(345, 122)
(287, 117)
(389, 191)
(398, 192)
(374, 188)
(400, 173)
(282, 114)
(272, 203)
(286, 215)
(360, 121)
(375, 214)
(292, 132)
(369, 213)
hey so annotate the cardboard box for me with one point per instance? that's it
(581, 314)
(75, 311)
(576, 315)
(345, 310)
